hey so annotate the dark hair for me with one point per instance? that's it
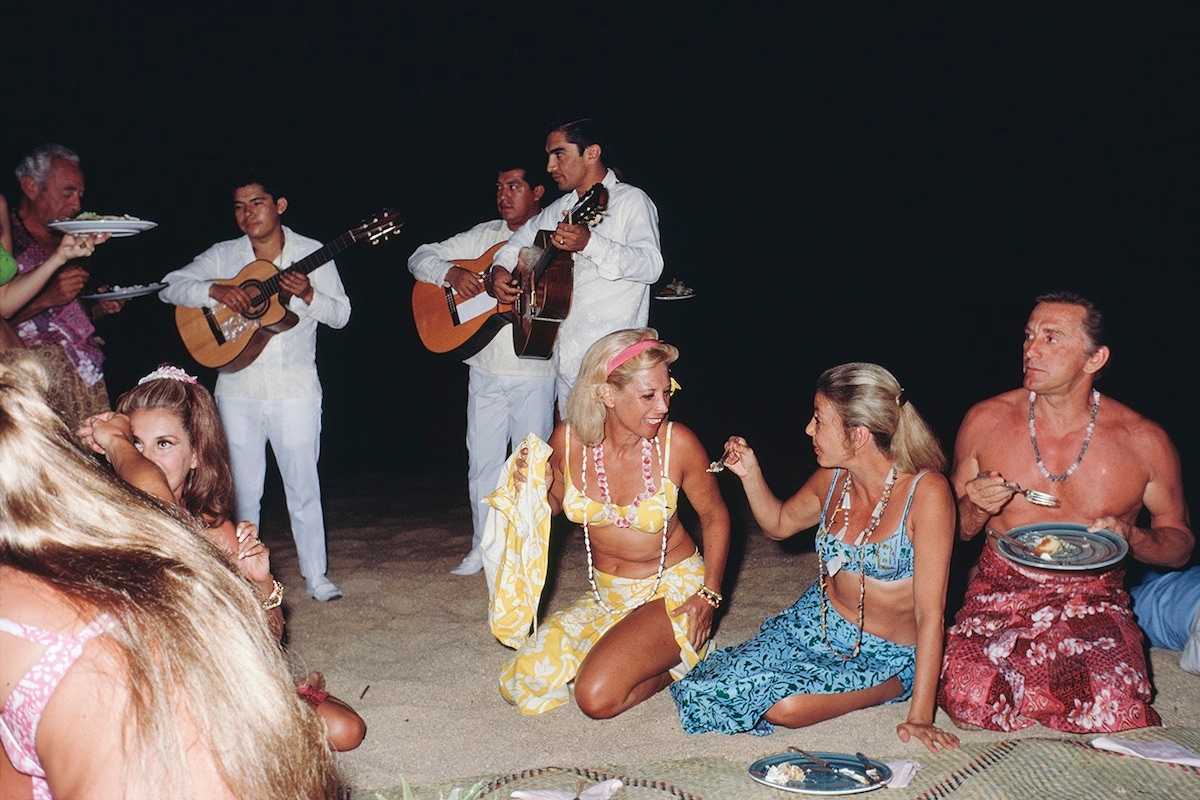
(248, 176)
(208, 491)
(1093, 320)
(534, 172)
(583, 132)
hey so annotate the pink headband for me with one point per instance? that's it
(629, 352)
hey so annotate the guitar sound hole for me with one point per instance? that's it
(259, 299)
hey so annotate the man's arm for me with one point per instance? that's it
(1169, 540)
(329, 303)
(971, 516)
(637, 256)
(431, 263)
(189, 285)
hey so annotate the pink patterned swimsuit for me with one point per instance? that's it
(23, 711)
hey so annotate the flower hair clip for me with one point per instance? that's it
(167, 372)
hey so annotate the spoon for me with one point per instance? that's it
(1033, 496)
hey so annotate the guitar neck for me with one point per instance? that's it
(311, 261)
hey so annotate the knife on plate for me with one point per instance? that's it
(872, 772)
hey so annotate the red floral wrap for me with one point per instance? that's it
(1059, 648)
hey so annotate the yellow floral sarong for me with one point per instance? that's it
(536, 679)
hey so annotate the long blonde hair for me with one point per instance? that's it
(585, 408)
(192, 637)
(868, 395)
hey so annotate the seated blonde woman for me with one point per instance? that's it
(617, 468)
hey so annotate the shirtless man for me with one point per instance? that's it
(1059, 647)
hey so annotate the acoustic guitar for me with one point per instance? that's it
(449, 323)
(223, 339)
(545, 287)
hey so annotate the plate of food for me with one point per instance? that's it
(90, 222)
(123, 292)
(841, 773)
(675, 290)
(1062, 546)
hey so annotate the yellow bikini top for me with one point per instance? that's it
(651, 514)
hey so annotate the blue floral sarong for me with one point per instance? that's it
(733, 688)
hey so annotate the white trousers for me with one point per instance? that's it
(501, 410)
(293, 428)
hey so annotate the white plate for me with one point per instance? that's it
(821, 781)
(1081, 549)
(674, 296)
(125, 292)
(117, 227)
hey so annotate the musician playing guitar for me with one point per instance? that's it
(507, 397)
(615, 260)
(277, 396)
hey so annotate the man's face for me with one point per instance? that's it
(1055, 349)
(514, 199)
(566, 165)
(256, 212)
(62, 195)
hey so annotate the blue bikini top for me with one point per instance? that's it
(887, 560)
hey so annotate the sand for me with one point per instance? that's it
(410, 648)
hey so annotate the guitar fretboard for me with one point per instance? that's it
(270, 287)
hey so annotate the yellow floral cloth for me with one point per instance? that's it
(536, 679)
(515, 543)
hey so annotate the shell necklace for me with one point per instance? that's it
(1087, 440)
(860, 542)
(624, 520)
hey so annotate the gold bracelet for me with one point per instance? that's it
(275, 598)
(709, 596)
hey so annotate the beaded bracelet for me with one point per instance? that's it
(709, 596)
(275, 598)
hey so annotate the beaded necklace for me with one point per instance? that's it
(1087, 440)
(623, 521)
(860, 542)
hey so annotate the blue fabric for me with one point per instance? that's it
(1165, 604)
(732, 689)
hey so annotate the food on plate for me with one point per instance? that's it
(92, 215)
(785, 773)
(676, 288)
(1048, 546)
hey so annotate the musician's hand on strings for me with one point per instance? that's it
(235, 297)
(296, 284)
(571, 238)
(504, 287)
(464, 281)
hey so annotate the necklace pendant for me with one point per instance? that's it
(834, 565)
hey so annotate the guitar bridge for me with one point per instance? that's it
(211, 319)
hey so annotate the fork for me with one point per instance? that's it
(719, 464)
(1033, 495)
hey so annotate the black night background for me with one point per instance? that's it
(847, 182)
